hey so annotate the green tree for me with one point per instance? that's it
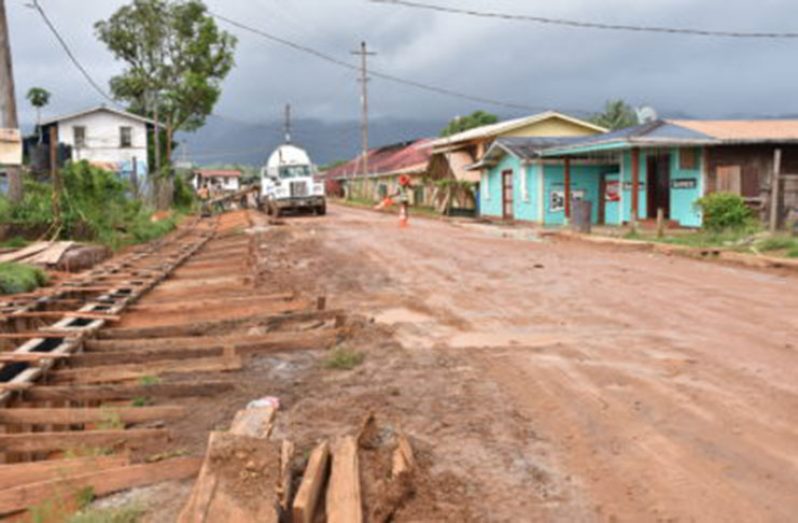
(617, 114)
(176, 60)
(38, 98)
(475, 119)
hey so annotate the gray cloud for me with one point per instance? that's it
(519, 62)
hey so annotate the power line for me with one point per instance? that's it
(341, 63)
(37, 6)
(589, 25)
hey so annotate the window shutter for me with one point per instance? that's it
(730, 179)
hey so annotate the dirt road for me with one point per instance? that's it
(598, 385)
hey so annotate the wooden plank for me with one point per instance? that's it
(207, 327)
(187, 304)
(62, 441)
(23, 473)
(344, 504)
(74, 416)
(307, 497)
(101, 482)
(20, 254)
(30, 357)
(286, 476)
(117, 373)
(38, 334)
(15, 386)
(61, 314)
(403, 459)
(51, 255)
(254, 422)
(219, 493)
(126, 392)
(280, 340)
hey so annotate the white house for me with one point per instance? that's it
(109, 138)
(218, 179)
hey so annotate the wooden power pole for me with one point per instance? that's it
(8, 103)
(364, 53)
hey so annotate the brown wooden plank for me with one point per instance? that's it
(208, 327)
(344, 504)
(30, 357)
(74, 416)
(37, 334)
(61, 314)
(280, 340)
(117, 373)
(15, 386)
(220, 495)
(125, 392)
(307, 497)
(403, 460)
(254, 422)
(23, 473)
(101, 482)
(286, 475)
(62, 441)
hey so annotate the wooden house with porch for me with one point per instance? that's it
(453, 157)
(666, 165)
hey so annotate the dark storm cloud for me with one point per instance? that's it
(517, 62)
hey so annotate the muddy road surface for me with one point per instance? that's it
(575, 382)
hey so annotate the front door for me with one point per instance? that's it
(507, 195)
(658, 185)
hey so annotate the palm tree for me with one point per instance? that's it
(38, 98)
(617, 115)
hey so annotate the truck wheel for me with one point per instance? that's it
(276, 212)
(321, 210)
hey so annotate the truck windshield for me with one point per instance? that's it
(294, 171)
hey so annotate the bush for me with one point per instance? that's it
(16, 277)
(724, 211)
(344, 358)
(777, 243)
(95, 206)
(183, 195)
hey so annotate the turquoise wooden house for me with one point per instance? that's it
(519, 184)
(628, 175)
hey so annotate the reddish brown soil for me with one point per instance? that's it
(537, 381)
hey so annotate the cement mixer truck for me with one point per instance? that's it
(287, 183)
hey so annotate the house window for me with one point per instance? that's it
(418, 196)
(382, 190)
(125, 137)
(79, 137)
(730, 179)
(688, 159)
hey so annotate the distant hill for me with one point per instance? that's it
(228, 141)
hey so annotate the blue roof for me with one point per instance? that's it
(660, 132)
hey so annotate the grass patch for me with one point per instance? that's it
(123, 514)
(344, 358)
(149, 381)
(18, 277)
(17, 242)
(141, 401)
(777, 243)
(110, 420)
(793, 253)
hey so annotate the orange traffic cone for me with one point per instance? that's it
(403, 223)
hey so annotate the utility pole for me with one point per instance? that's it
(287, 123)
(364, 99)
(8, 103)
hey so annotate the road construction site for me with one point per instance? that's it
(449, 371)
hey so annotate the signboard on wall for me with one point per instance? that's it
(612, 191)
(627, 186)
(684, 183)
(10, 147)
(557, 199)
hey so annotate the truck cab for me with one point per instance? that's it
(288, 184)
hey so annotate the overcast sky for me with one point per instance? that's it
(525, 63)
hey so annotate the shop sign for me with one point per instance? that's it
(612, 191)
(684, 183)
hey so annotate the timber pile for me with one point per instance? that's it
(246, 477)
(65, 255)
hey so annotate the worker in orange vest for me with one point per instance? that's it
(401, 196)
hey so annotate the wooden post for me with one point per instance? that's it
(567, 189)
(660, 222)
(635, 186)
(134, 178)
(55, 177)
(774, 191)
